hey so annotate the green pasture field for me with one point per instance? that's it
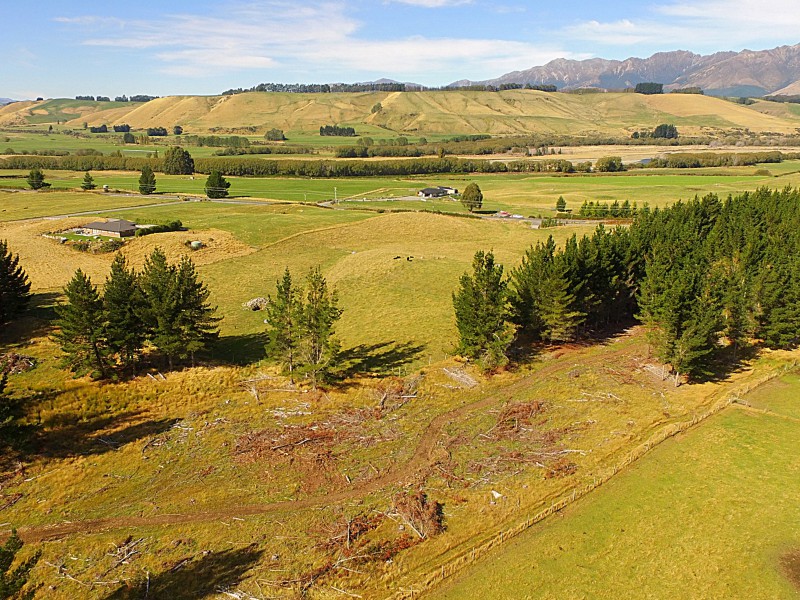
(29, 205)
(400, 268)
(273, 188)
(710, 514)
(527, 194)
(21, 141)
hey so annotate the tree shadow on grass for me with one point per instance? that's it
(726, 361)
(380, 359)
(64, 438)
(34, 322)
(240, 350)
(201, 577)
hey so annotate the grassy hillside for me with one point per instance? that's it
(454, 112)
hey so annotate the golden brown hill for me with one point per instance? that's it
(422, 113)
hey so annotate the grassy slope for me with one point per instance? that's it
(77, 473)
(510, 112)
(683, 522)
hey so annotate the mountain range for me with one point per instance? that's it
(745, 73)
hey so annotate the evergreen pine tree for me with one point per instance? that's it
(82, 333)
(12, 582)
(197, 323)
(284, 314)
(320, 311)
(88, 182)
(561, 204)
(560, 319)
(36, 180)
(780, 318)
(217, 186)
(158, 282)
(481, 311)
(124, 303)
(14, 285)
(147, 181)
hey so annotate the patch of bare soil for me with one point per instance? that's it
(790, 565)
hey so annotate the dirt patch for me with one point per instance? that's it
(790, 565)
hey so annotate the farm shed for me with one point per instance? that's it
(113, 228)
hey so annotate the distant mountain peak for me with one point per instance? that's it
(749, 72)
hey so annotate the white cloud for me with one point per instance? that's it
(697, 24)
(318, 40)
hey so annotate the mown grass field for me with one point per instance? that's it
(273, 188)
(527, 194)
(710, 514)
(30, 205)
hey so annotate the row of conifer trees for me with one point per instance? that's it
(701, 276)
(164, 306)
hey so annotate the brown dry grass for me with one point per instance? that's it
(509, 112)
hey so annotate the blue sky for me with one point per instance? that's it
(60, 49)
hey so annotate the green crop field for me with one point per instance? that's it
(710, 514)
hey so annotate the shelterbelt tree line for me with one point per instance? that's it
(704, 277)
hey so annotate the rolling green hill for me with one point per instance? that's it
(421, 113)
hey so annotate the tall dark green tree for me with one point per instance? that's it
(216, 185)
(318, 347)
(36, 180)
(124, 305)
(177, 317)
(284, 317)
(472, 197)
(680, 310)
(12, 582)
(158, 282)
(14, 285)
(178, 161)
(481, 310)
(147, 181)
(544, 292)
(197, 321)
(88, 182)
(81, 333)
(561, 204)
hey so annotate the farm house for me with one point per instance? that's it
(112, 228)
(437, 192)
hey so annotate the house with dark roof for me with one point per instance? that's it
(112, 228)
(437, 192)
